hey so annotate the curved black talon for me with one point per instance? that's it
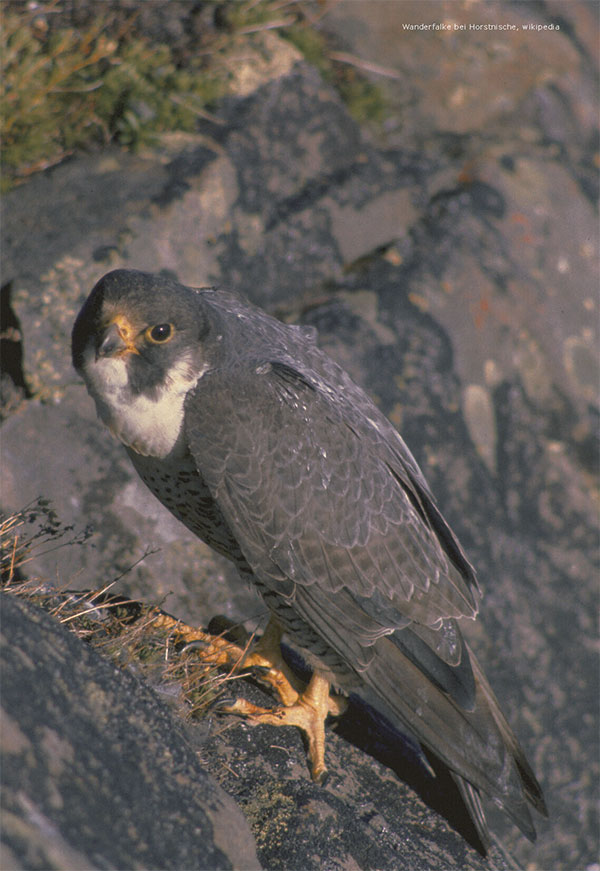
(258, 670)
(197, 644)
(323, 778)
(221, 701)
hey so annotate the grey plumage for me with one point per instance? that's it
(266, 449)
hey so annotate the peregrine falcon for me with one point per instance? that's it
(266, 449)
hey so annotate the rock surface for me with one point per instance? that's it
(449, 264)
(95, 771)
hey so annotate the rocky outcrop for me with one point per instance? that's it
(101, 771)
(448, 264)
(96, 773)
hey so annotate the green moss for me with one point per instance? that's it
(43, 94)
(73, 88)
(364, 99)
(63, 89)
(145, 93)
(312, 45)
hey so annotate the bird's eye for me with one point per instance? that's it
(160, 333)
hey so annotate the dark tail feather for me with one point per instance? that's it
(472, 800)
(478, 746)
(531, 788)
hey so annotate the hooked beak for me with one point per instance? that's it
(118, 339)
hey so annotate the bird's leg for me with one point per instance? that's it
(306, 707)
(266, 654)
(308, 713)
(215, 650)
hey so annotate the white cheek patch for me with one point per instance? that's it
(148, 425)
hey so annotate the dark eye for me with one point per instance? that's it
(160, 333)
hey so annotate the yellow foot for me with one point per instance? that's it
(308, 713)
(216, 650)
(305, 707)
(266, 655)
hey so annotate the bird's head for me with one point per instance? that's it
(141, 342)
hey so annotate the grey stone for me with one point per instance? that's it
(95, 771)
(91, 483)
(367, 815)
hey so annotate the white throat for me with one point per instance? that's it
(149, 426)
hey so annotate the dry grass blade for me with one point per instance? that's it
(157, 646)
(366, 65)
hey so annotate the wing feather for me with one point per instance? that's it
(314, 492)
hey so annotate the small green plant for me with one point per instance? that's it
(47, 92)
(66, 88)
